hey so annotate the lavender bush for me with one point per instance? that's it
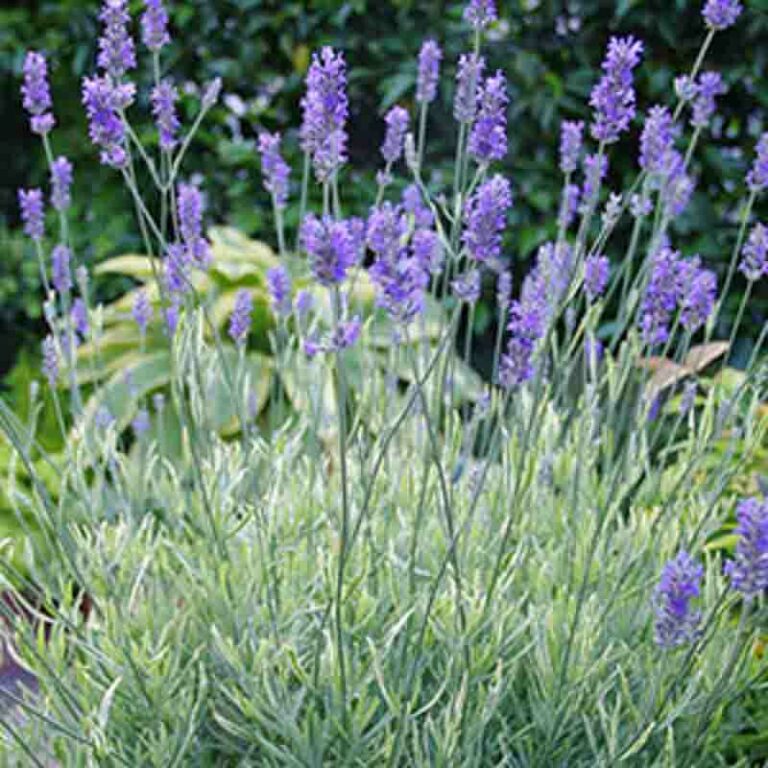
(395, 574)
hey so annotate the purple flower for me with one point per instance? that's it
(661, 295)
(116, 50)
(141, 423)
(32, 213)
(748, 571)
(485, 217)
(571, 139)
(427, 249)
(279, 288)
(430, 57)
(468, 79)
(697, 294)
(331, 246)
(721, 14)
(273, 168)
(61, 182)
(754, 255)
(596, 272)
(466, 287)
(164, 97)
(79, 317)
(679, 186)
(104, 100)
(303, 304)
(595, 170)
(172, 315)
(569, 205)
(50, 365)
(325, 109)
(177, 280)
(61, 275)
(480, 13)
(142, 311)
(657, 141)
(190, 204)
(526, 326)
(36, 93)
(154, 25)
(397, 126)
(757, 178)
(488, 139)
(347, 333)
(240, 320)
(413, 204)
(709, 87)
(613, 98)
(677, 623)
(688, 399)
(211, 93)
(504, 289)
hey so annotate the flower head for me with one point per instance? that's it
(279, 288)
(240, 320)
(61, 182)
(660, 297)
(697, 294)
(79, 317)
(427, 249)
(595, 170)
(430, 57)
(50, 365)
(117, 54)
(569, 205)
(191, 207)
(154, 25)
(331, 246)
(571, 140)
(748, 571)
(104, 100)
(325, 109)
(485, 217)
(754, 255)
(164, 97)
(657, 141)
(480, 13)
(466, 287)
(36, 93)
(32, 213)
(61, 274)
(141, 423)
(142, 311)
(488, 139)
(677, 622)
(613, 98)
(397, 121)
(708, 88)
(275, 170)
(757, 178)
(721, 14)
(468, 78)
(504, 289)
(596, 272)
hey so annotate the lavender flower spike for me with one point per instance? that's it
(596, 272)
(709, 87)
(397, 121)
(274, 169)
(279, 288)
(430, 57)
(488, 139)
(117, 54)
(757, 178)
(661, 296)
(485, 218)
(721, 14)
(79, 316)
(480, 13)
(190, 204)
(50, 365)
(142, 311)
(571, 139)
(748, 571)
(61, 274)
(154, 25)
(657, 141)
(32, 213)
(240, 321)
(36, 93)
(754, 256)
(104, 100)
(61, 182)
(677, 623)
(698, 292)
(164, 97)
(331, 247)
(468, 78)
(613, 98)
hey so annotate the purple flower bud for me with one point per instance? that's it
(480, 13)
(661, 295)
(103, 418)
(61, 182)
(347, 333)
(613, 98)
(685, 88)
(488, 139)
(657, 141)
(154, 25)
(721, 14)
(467, 286)
(164, 97)
(757, 178)
(104, 100)
(190, 204)
(709, 87)
(748, 571)
(569, 205)
(427, 249)
(698, 292)
(32, 213)
(36, 93)
(596, 272)
(141, 423)
(116, 50)
(303, 304)
(677, 623)
(571, 140)
(526, 326)
(414, 205)
(468, 79)
(754, 256)
(176, 268)
(240, 320)
(61, 275)
(595, 170)
(688, 399)
(504, 290)
(211, 93)
(50, 365)
(142, 311)
(430, 57)
(485, 218)
(331, 247)
(172, 316)
(274, 169)
(397, 121)
(325, 109)
(158, 402)
(279, 288)
(79, 317)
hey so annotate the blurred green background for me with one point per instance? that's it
(551, 52)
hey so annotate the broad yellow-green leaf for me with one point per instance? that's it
(131, 265)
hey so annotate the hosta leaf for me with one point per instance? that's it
(130, 264)
(232, 245)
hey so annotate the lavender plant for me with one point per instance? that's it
(384, 578)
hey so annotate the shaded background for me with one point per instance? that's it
(550, 51)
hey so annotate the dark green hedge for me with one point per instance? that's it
(550, 51)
